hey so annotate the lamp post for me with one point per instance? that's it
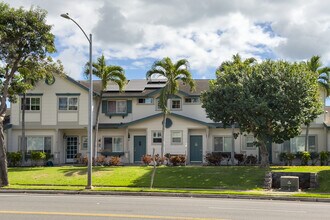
(90, 106)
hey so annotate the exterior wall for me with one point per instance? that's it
(49, 114)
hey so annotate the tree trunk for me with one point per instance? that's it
(3, 158)
(162, 150)
(306, 138)
(232, 155)
(154, 169)
(23, 139)
(96, 131)
(264, 154)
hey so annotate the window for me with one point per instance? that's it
(158, 107)
(176, 104)
(156, 137)
(249, 144)
(117, 106)
(84, 143)
(38, 143)
(68, 103)
(222, 144)
(145, 101)
(192, 100)
(31, 104)
(176, 137)
(297, 144)
(113, 144)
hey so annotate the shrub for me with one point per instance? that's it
(100, 161)
(182, 159)
(283, 158)
(213, 158)
(37, 156)
(305, 157)
(146, 159)
(251, 160)
(315, 156)
(324, 158)
(114, 161)
(14, 158)
(85, 160)
(226, 156)
(290, 157)
(240, 158)
(160, 160)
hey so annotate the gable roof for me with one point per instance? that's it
(124, 125)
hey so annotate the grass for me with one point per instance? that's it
(229, 180)
(237, 178)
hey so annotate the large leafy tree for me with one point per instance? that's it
(106, 74)
(315, 66)
(173, 73)
(237, 65)
(25, 42)
(269, 99)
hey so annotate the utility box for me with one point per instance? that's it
(290, 183)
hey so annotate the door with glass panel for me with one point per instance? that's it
(71, 148)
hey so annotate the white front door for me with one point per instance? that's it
(71, 148)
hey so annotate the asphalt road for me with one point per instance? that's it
(54, 207)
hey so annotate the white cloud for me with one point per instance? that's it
(205, 32)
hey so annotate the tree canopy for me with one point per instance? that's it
(270, 99)
(25, 45)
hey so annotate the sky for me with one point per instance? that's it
(135, 33)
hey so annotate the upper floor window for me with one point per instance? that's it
(175, 104)
(31, 104)
(117, 106)
(145, 101)
(222, 144)
(192, 100)
(68, 103)
(297, 144)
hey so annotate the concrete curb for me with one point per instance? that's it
(191, 195)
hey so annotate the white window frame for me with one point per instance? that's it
(251, 141)
(113, 150)
(172, 137)
(29, 106)
(294, 141)
(145, 102)
(43, 145)
(223, 143)
(176, 109)
(68, 104)
(117, 107)
(159, 135)
(84, 143)
(191, 100)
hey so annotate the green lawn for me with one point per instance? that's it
(237, 178)
(194, 179)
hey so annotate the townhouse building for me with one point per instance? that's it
(56, 119)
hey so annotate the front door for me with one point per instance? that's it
(71, 148)
(139, 147)
(196, 148)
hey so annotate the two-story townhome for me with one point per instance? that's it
(131, 123)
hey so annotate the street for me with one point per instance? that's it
(38, 206)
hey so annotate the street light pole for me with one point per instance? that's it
(90, 106)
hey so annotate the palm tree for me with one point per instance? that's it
(173, 72)
(106, 74)
(240, 64)
(315, 65)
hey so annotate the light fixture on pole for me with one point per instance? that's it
(90, 106)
